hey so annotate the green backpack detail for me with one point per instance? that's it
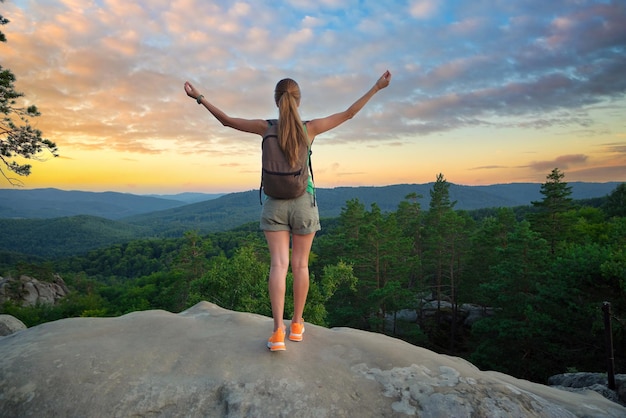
(278, 178)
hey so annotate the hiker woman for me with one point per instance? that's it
(294, 218)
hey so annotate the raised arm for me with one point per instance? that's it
(255, 126)
(321, 125)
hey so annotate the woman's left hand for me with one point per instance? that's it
(191, 90)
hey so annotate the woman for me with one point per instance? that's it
(284, 219)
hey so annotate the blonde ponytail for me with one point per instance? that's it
(291, 134)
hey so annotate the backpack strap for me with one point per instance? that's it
(310, 165)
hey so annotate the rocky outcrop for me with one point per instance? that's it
(598, 382)
(209, 361)
(27, 291)
(467, 314)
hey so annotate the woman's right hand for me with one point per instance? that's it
(384, 80)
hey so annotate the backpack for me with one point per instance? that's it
(278, 178)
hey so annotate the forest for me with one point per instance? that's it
(540, 275)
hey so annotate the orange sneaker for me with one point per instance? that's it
(277, 341)
(295, 331)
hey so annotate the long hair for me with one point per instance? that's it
(291, 135)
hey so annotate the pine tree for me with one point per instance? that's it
(20, 139)
(550, 220)
(616, 202)
(436, 233)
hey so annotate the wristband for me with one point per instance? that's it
(199, 99)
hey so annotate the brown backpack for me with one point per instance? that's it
(278, 178)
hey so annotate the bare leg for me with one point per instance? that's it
(300, 269)
(278, 243)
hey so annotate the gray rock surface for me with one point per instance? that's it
(211, 362)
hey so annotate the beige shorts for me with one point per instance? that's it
(299, 216)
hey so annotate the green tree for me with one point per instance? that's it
(333, 278)
(373, 245)
(588, 225)
(615, 266)
(409, 218)
(438, 226)
(391, 260)
(513, 340)
(18, 139)
(446, 243)
(492, 233)
(572, 297)
(616, 202)
(551, 219)
(238, 283)
(191, 264)
(347, 307)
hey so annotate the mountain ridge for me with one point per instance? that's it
(246, 205)
(49, 203)
(73, 234)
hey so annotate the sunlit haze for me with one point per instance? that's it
(483, 91)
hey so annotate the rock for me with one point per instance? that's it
(474, 313)
(468, 313)
(598, 382)
(404, 315)
(430, 308)
(211, 362)
(28, 291)
(10, 324)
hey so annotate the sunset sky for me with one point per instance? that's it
(483, 91)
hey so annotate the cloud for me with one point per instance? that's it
(562, 162)
(541, 66)
(615, 147)
(110, 74)
(598, 174)
(488, 167)
(422, 9)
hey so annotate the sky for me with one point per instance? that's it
(482, 91)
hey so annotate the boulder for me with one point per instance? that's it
(473, 313)
(10, 324)
(467, 313)
(577, 382)
(28, 291)
(211, 362)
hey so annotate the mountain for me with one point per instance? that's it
(235, 209)
(55, 203)
(102, 223)
(59, 237)
(188, 197)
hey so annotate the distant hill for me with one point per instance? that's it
(188, 197)
(233, 207)
(101, 222)
(60, 237)
(55, 203)
(232, 210)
